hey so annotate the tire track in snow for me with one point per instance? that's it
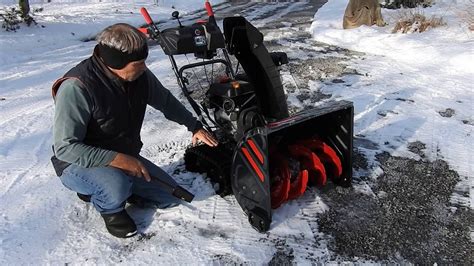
(31, 170)
(23, 109)
(19, 165)
(261, 12)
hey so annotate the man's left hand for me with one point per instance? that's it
(204, 136)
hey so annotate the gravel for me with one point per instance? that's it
(410, 218)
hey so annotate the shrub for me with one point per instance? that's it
(12, 18)
(467, 15)
(395, 4)
(410, 21)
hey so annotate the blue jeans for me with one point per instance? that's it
(110, 187)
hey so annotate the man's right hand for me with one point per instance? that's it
(130, 165)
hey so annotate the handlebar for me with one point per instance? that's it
(146, 16)
(209, 10)
(153, 30)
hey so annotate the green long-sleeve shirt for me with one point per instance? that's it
(73, 110)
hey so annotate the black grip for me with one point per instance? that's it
(176, 190)
(183, 194)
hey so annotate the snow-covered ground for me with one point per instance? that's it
(420, 89)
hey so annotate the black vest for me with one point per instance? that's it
(118, 107)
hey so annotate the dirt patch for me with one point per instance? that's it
(409, 220)
(417, 147)
(212, 232)
(447, 113)
(226, 259)
(283, 255)
(359, 162)
(468, 122)
(281, 258)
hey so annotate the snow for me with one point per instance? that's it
(413, 78)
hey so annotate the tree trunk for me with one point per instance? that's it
(24, 8)
(362, 12)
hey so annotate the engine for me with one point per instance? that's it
(235, 108)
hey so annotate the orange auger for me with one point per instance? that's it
(298, 185)
(327, 155)
(310, 162)
(316, 160)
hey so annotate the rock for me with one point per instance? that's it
(362, 12)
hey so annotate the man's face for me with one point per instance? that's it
(131, 71)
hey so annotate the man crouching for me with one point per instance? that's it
(99, 109)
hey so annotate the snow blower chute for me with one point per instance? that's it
(265, 157)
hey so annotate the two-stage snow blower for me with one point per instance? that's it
(265, 157)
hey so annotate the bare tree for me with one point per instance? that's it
(24, 8)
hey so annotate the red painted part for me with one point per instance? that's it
(209, 10)
(201, 21)
(144, 31)
(253, 164)
(280, 186)
(146, 16)
(283, 121)
(325, 153)
(298, 186)
(254, 148)
(309, 161)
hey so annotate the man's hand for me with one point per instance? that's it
(204, 136)
(130, 165)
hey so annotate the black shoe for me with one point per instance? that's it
(85, 198)
(120, 224)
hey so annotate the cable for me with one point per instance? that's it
(194, 72)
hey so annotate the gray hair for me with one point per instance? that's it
(122, 37)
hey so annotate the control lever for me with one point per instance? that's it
(175, 15)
